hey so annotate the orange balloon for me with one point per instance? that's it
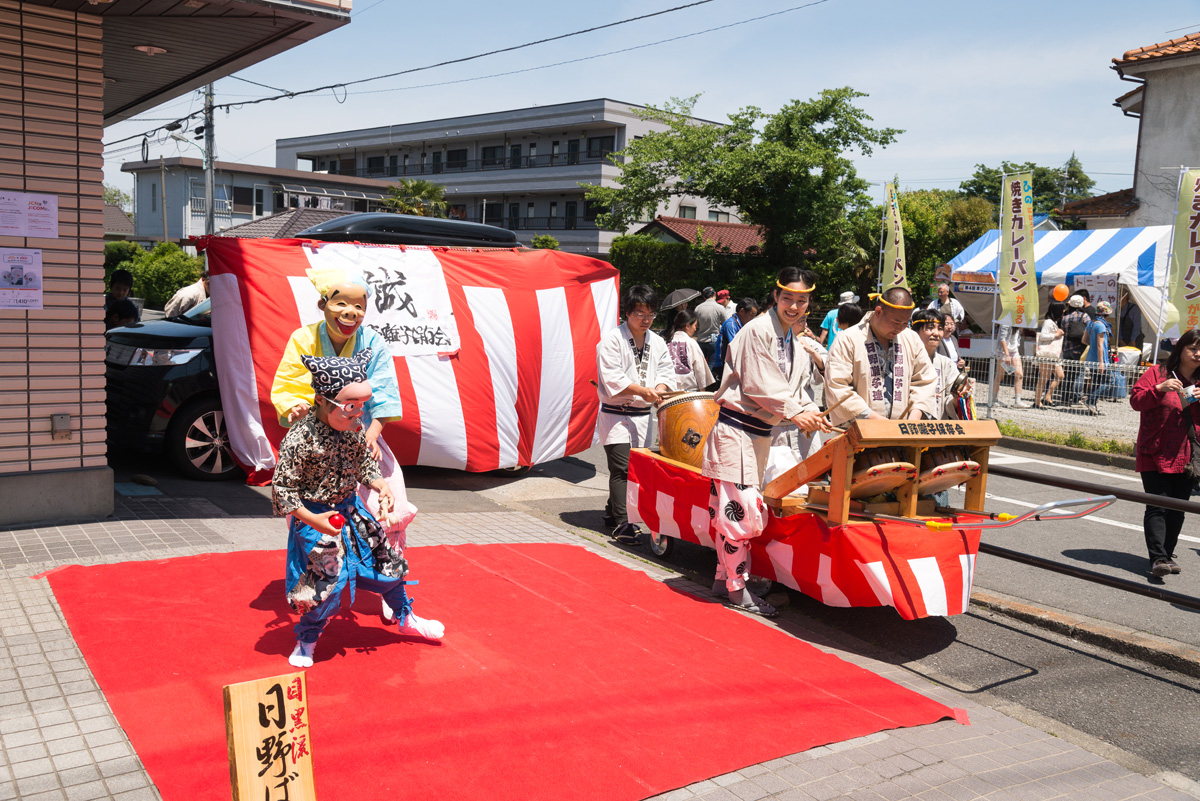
(1061, 292)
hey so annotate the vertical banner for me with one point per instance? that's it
(1184, 313)
(1017, 277)
(893, 243)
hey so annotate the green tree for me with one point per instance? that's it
(544, 242)
(118, 197)
(1049, 183)
(160, 273)
(417, 196)
(115, 253)
(794, 177)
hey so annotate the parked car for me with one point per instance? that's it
(161, 375)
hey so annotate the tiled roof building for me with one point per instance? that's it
(284, 225)
(725, 236)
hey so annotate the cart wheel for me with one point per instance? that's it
(760, 586)
(661, 545)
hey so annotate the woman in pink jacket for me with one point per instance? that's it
(1166, 397)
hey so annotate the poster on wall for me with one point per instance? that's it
(27, 215)
(20, 278)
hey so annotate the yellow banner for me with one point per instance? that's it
(894, 273)
(1016, 275)
(1184, 311)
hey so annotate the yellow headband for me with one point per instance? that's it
(789, 289)
(879, 297)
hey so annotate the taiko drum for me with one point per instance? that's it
(684, 423)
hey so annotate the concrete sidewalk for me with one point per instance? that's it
(59, 740)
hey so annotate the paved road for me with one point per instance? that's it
(1139, 715)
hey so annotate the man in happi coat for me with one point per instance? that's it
(344, 299)
(633, 367)
(761, 388)
(879, 369)
(323, 460)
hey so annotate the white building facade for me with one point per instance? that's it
(519, 169)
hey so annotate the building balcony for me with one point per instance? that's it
(432, 168)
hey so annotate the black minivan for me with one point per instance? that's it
(161, 375)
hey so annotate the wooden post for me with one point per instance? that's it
(270, 747)
(976, 487)
(906, 493)
(839, 482)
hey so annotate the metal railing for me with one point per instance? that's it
(429, 167)
(539, 223)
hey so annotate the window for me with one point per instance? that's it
(243, 199)
(572, 151)
(456, 159)
(393, 164)
(437, 162)
(529, 209)
(493, 156)
(554, 152)
(572, 211)
(514, 157)
(553, 209)
(533, 154)
(153, 197)
(718, 216)
(374, 165)
(514, 214)
(260, 198)
(600, 146)
(404, 163)
(687, 212)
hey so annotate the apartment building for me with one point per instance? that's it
(520, 169)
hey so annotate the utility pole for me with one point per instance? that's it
(162, 188)
(209, 176)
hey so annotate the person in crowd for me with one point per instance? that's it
(829, 326)
(1008, 362)
(710, 315)
(1168, 448)
(187, 298)
(1049, 355)
(1096, 374)
(343, 304)
(928, 325)
(761, 388)
(119, 309)
(633, 368)
(944, 303)
(1129, 332)
(949, 346)
(724, 299)
(747, 310)
(691, 368)
(323, 460)
(1074, 325)
(879, 367)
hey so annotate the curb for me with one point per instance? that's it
(1143, 647)
(1100, 458)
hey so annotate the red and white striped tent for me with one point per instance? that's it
(516, 391)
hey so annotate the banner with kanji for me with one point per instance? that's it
(1184, 311)
(1017, 277)
(894, 273)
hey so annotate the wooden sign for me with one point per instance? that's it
(270, 747)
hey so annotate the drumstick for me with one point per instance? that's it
(839, 403)
(907, 409)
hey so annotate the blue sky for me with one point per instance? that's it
(969, 82)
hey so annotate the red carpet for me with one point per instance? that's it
(561, 673)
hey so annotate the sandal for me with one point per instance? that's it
(755, 606)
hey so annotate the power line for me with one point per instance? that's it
(344, 84)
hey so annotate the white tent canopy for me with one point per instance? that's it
(1135, 257)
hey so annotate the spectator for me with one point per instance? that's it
(1049, 353)
(724, 299)
(747, 310)
(1074, 325)
(187, 298)
(944, 303)
(949, 346)
(829, 326)
(1168, 456)
(1096, 370)
(120, 284)
(1008, 362)
(710, 315)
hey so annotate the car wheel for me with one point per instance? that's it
(198, 442)
(661, 545)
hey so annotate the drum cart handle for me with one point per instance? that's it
(1045, 512)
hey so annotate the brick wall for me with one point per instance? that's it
(52, 360)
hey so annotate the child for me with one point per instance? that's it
(322, 461)
(344, 300)
(117, 305)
